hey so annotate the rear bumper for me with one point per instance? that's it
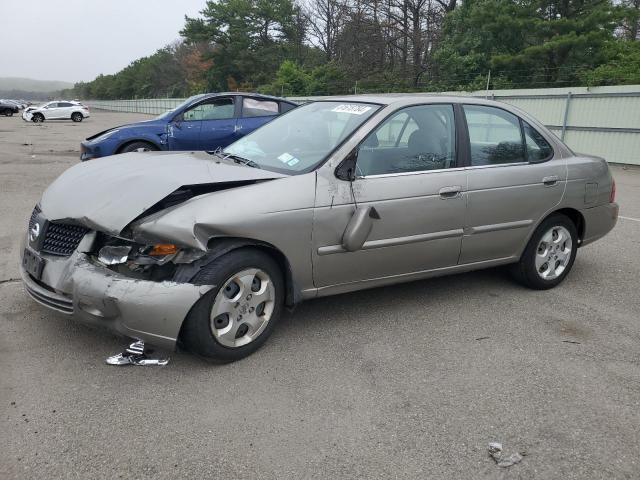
(144, 310)
(599, 221)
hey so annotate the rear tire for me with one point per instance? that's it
(77, 117)
(236, 317)
(549, 255)
(37, 118)
(139, 147)
(8, 113)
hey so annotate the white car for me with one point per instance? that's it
(56, 110)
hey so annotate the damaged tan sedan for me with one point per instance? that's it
(205, 250)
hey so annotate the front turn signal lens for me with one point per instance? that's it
(162, 249)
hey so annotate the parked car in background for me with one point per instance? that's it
(56, 110)
(205, 250)
(8, 108)
(202, 122)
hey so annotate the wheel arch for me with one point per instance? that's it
(128, 142)
(217, 247)
(572, 214)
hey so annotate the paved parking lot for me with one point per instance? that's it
(409, 381)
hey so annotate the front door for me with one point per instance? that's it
(204, 126)
(513, 182)
(50, 111)
(407, 171)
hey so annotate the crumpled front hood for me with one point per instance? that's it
(108, 193)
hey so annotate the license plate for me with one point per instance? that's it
(32, 263)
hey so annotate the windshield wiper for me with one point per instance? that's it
(240, 160)
(218, 152)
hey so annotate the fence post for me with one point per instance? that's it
(566, 116)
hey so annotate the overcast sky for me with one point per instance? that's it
(75, 40)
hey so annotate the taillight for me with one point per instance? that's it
(612, 195)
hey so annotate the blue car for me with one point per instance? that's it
(202, 122)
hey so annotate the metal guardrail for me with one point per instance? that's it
(604, 121)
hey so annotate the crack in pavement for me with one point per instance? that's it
(10, 280)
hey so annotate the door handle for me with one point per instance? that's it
(450, 192)
(550, 181)
(237, 128)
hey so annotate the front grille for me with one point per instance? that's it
(62, 238)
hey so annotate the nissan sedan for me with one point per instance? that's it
(205, 250)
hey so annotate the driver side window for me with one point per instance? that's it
(218, 109)
(414, 139)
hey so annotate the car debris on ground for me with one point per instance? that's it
(495, 452)
(134, 354)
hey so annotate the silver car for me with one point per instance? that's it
(204, 250)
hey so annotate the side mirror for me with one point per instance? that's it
(347, 169)
(359, 228)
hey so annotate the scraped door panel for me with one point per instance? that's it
(418, 228)
(505, 203)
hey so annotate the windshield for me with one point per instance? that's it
(300, 140)
(169, 113)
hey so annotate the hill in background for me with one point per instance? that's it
(30, 89)
(31, 85)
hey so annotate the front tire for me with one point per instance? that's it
(139, 147)
(37, 118)
(77, 117)
(236, 317)
(549, 255)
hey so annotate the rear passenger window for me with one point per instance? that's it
(252, 107)
(538, 149)
(415, 139)
(495, 136)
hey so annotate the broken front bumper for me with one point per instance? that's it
(140, 309)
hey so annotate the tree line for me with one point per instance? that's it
(324, 47)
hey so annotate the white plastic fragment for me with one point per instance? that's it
(134, 354)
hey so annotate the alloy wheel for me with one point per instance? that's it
(242, 308)
(553, 253)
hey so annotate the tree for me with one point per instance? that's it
(247, 37)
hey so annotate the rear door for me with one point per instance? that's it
(64, 110)
(514, 181)
(254, 113)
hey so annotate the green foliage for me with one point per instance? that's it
(250, 38)
(534, 43)
(275, 46)
(622, 66)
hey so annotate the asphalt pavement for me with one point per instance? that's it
(409, 381)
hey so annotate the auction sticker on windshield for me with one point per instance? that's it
(288, 159)
(351, 108)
